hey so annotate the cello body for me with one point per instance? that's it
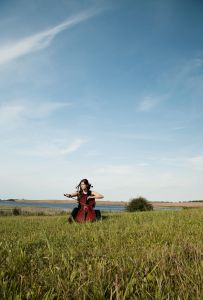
(86, 212)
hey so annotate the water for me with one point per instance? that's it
(61, 205)
(72, 205)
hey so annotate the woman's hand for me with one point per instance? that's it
(68, 195)
(74, 194)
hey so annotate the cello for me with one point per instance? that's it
(86, 211)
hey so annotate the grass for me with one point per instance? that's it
(149, 255)
(30, 211)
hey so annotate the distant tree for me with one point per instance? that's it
(139, 204)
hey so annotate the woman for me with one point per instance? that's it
(83, 194)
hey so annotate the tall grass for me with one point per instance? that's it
(149, 255)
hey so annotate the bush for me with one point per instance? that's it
(16, 211)
(139, 204)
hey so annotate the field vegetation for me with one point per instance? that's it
(141, 255)
(30, 211)
(139, 204)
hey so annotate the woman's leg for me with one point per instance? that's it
(73, 214)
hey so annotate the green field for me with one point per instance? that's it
(145, 255)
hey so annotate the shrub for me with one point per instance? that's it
(16, 211)
(139, 204)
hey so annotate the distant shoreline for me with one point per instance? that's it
(177, 204)
(120, 203)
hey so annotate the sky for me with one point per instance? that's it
(111, 91)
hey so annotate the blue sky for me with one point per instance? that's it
(111, 91)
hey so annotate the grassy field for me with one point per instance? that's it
(31, 211)
(149, 255)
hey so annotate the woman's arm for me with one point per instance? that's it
(74, 194)
(96, 195)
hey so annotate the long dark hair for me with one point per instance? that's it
(79, 190)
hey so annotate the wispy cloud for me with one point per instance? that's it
(43, 110)
(184, 71)
(94, 153)
(189, 162)
(115, 170)
(179, 128)
(139, 136)
(148, 103)
(181, 78)
(41, 40)
(10, 113)
(196, 162)
(13, 112)
(74, 146)
(184, 78)
(53, 149)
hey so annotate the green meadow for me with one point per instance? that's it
(143, 255)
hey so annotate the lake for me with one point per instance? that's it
(72, 205)
(60, 205)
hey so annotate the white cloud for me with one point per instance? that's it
(45, 109)
(39, 41)
(179, 128)
(139, 136)
(196, 162)
(193, 163)
(74, 146)
(115, 170)
(13, 112)
(53, 149)
(93, 153)
(181, 78)
(184, 71)
(148, 103)
(10, 113)
(143, 164)
(116, 182)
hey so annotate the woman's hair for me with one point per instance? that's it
(86, 182)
